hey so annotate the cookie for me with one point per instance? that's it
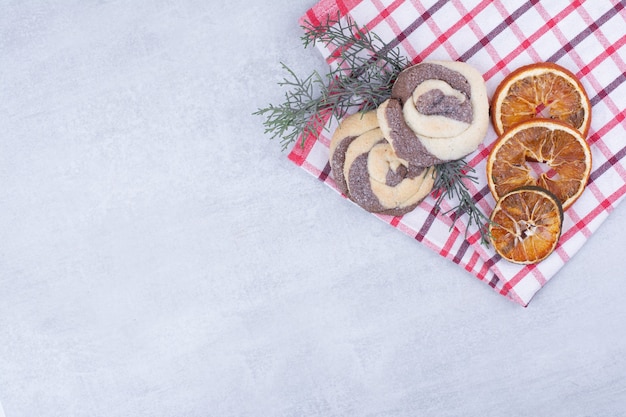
(349, 129)
(438, 112)
(368, 171)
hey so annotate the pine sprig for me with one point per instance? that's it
(450, 184)
(301, 114)
(361, 78)
(358, 53)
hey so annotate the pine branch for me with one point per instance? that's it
(450, 184)
(362, 78)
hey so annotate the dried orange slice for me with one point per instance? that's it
(541, 90)
(526, 225)
(544, 153)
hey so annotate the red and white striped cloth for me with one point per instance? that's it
(496, 37)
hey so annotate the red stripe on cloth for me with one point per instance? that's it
(474, 238)
(486, 269)
(311, 18)
(442, 37)
(600, 197)
(447, 247)
(618, 119)
(512, 295)
(541, 279)
(321, 175)
(472, 262)
(602, 94)
(486, 40)
(385, 13)
(489, 275)
(469, 20)
(568, 47)
(395, 221)
(619, 7)
(328, 8)
(508, 288)
(608, 205)
(484, 273)
(499, 66)
(613, 157)
(592, 27)
(421, 19)
(519, 34)
(580, 225)
(562, 254)
(343, 9)
(612, 162)
(610, 51)
(379, 17)
(300, 152)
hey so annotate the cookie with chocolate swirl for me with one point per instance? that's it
(438, 112)
(367, 170)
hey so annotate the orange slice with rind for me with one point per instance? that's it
(525, 225)
(540, 90)
(544, 153)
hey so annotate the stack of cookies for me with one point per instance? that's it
(384, 160)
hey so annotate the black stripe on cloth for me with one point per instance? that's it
(325, 172)
(489, 264)
(481, 193)
(613, 160)
(608, 89)
(494, 281)
(461, 252)
(586, 32)
(427, 223)
(497, 30)
(417, 23)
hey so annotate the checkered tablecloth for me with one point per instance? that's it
(496, 37)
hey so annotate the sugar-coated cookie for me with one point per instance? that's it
(438, 112)
(368, 171)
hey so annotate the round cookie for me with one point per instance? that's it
(370, 173)
(350, 128)
(401, 137)
(438, 112)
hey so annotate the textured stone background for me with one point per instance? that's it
(159, 256)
